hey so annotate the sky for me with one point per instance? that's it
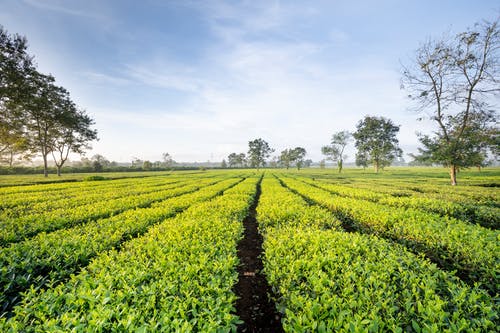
(199, 79)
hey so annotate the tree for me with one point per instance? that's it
(235, 160)
(258, 151)
(223, 165)
(147, 165)
(322, 164)
(335, 151)
(15, 64)
(42, 111)
(136, 162)
(167, 160)
(285, 159)
(376, 141)
(99, 162)
(455, 78)
(36, 116)
(72, 135)
(298, 155)
(361, 160)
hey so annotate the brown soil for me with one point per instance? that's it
(254, 306)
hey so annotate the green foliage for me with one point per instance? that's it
(94, 178)
(376, 142)
(295, 156)
(236, 160)
(258, 151)
(15, 228)
(449, 205)
(62, 252)
(454, 244)
(335, 151)
(167, 260)
(331, 281)
(176, 277)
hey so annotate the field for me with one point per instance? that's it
(179, 251)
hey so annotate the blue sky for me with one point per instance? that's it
(199, 79)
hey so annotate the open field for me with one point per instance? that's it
(397, 251)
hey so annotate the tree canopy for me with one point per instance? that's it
(36, 115)
(376, 141)
(295, 156)
(236, 160)
(258, 151)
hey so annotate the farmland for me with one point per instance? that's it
(397, 251)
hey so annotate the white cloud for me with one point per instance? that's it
(104, 79)
(63, 8)
(159, 75)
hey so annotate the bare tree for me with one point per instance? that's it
(454, 78)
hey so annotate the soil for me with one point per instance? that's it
(254, 306)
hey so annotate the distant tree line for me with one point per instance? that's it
(37, 117)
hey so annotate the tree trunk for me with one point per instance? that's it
(453, 175)
(45, 166)
(376, 166)
(59, 170)
(339, 164)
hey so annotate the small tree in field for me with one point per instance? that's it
(168, 161)
(235, 160)
(376, 141)
(335, 151)
(72, 135)
(455, 78)
(298, 155)
(258, 151)
(285, 159)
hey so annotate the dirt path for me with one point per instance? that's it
(254, 307)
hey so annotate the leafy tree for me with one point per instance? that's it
(99, 162)
(137, 162)
(72, 135)
(36, 116)
(454, 78)
(15, 64)
(274, 162)
(298, 155)
(292, 156)
(258, 151)
(335, 151)
(285, 159)
(308, 163)
(362, 160)
(167, 160)
(322, 164)
(147, 165)
(223, 165)
(43, 113)
(376, 141)
(235, 160)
